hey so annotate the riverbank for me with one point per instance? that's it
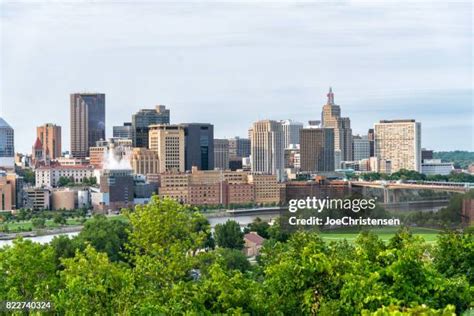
(42, 232)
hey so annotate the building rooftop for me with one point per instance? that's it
(66, 167)
(255, 238)
(38, 144)
(398, 121)
(3, 123)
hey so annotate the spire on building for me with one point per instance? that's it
(330, 96)
(38, 145)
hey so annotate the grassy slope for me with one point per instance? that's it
(428, 234)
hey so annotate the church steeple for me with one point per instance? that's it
(330, 96)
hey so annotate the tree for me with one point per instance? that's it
(38, 222)
(29, 176)
(258, 226)
(228, 259)
(92, 285)
(106, 235)
(162, 240)
(27, 272)
(89, 181)
(64, 247)
(59, 219)
(63, 181)
(229, 235)
(454, 254)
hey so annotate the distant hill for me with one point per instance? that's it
(461, 159)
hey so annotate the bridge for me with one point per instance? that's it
(390, 188)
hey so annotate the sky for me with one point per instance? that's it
(233, 63)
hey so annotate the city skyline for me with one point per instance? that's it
(415, 65)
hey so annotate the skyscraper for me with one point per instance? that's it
(371, 137)
(267, 147)
(168, 142)
(221, 154)
(87, 122)
(317, 149)
(239, 148)
(360, 147)
(143, 119)
(399, 141)
(199, 142)
(331, 118)
(291, 132)
(50, 136)
(124, 131)
(7, 147)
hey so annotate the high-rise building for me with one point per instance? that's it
(124, 131)
(371, 137)
(360, 147)
(331, 118)
(267, 148)
(317, 149)
(221, 154)
(87, 122)
(168, 142)
(291, 132)
(199, 142)
(239, 148)
(50, 136)
(144, 161)
(143, 119)
(7, 147)
(399, 141)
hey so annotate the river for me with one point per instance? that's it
(242, 219)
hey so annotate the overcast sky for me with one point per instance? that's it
(234, 63)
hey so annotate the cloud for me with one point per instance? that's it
(233, 63)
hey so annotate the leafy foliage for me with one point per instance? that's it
(161, 264)
(229, 235)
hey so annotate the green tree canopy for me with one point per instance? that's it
(229, 235)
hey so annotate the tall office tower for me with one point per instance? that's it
(239, 147)
(7, 145)
(144, 118)
(371, 137)
(168, 141)
(267, 148)
(360, 147)
(399, 141)
(87, 122)
(199, 142)
(331, 118)
(291, 132)
(50, 136)
(221, 154)
(124, 131)
(317, 149)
